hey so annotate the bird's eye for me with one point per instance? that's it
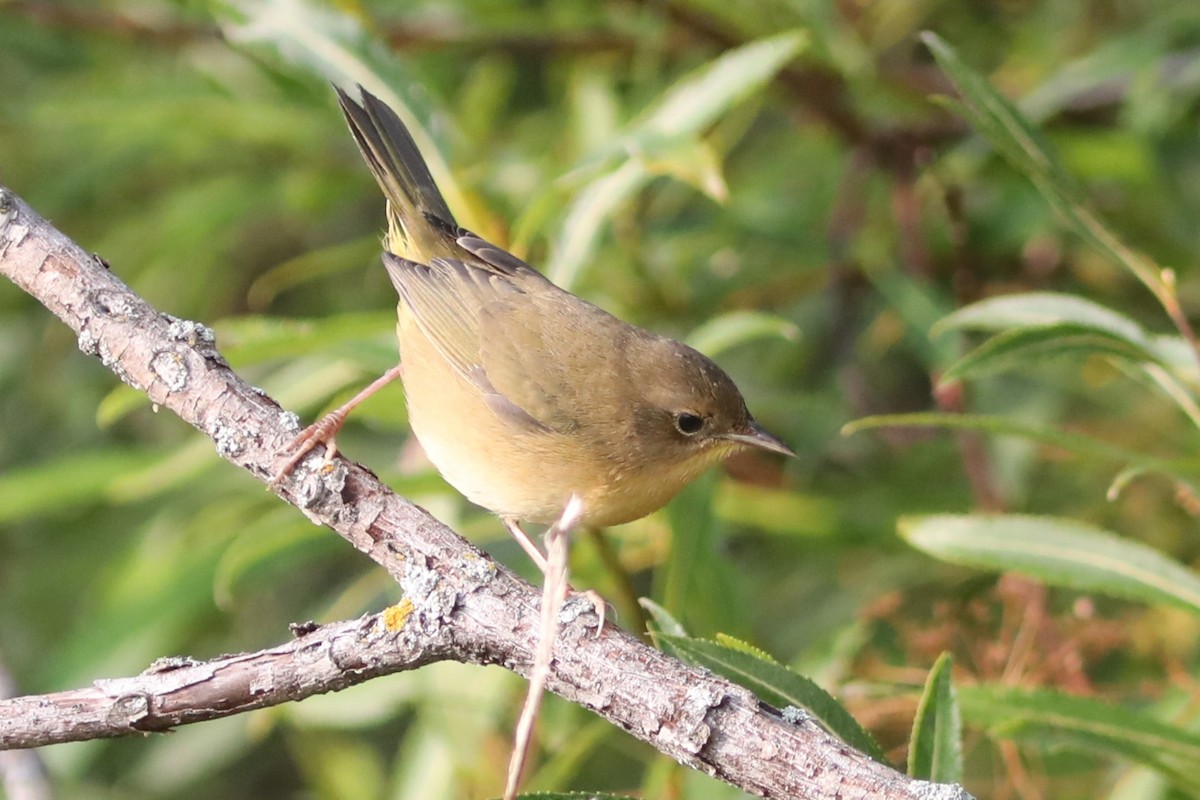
(688, 424)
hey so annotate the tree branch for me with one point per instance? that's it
(22, 773)
(177, 691)
(458, 604)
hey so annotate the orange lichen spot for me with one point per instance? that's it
(395, 616)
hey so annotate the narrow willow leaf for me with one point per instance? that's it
(266, 542)
(736, 328)
(695, 583)
(253, 339)
(1167, 382)
(663, 618)
(779, 686)
(571, 755)
(1015, 348)
(695, 163)
(1082, 325)
(699, 99)
(997, 118)
(935, 748)
(119, 403)
(1085, 723)
(585, 219)
(1179, 354)
(174, 468)
(663, 135)
(308, 266)
(334, 45)
(734, 643)
(1058, 551)
(774, 510)
(1041, 308)
(1022, 145)
(56, 485)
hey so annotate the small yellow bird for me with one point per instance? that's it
(522, 394)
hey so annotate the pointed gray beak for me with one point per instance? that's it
(755, 435)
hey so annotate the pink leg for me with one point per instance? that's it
(324, 431)
(541, 562)
(518, 533)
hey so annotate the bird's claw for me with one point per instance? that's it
(599, 606)
(322, 432)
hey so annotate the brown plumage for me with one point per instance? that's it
(521, 393)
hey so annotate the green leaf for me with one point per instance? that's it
(998, 119)
(661, 140)
(337, 765)
(58, 484)
(1034, 309)
(935, 748)
(265, 545)
(1022, 145)
(698, 100)
(695, 163)
(254, 339)
(696, 583)
(310, 265)
(119, 403)
(1184, 471)
(571, 756)
(661, 617)
(1045, 322)
(591, 209)
(1058, 551)
(779, 686)
(1017, 347)
(775, 510)
(335, 46)
(726, 331)
(1084, 723)
(742, 646)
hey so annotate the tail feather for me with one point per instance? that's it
(418, 216)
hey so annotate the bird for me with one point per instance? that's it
(523, 395)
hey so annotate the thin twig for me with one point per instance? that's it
(554, 591)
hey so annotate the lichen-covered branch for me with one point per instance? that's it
(176, 691)
(458, 604)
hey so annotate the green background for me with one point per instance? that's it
(808, 235)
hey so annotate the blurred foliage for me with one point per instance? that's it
(808, 216)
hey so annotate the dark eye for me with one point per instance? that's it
(688, 424)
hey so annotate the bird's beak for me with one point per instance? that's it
(754, 435)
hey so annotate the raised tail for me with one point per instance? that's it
(420, 225)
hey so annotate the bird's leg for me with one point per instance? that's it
(598, 603)
(553, 593)
(527, 544)
(324, 431)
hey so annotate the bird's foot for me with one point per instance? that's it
(322, 432)
(598, 603)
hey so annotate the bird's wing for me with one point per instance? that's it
(543, 351)
(486, 327)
